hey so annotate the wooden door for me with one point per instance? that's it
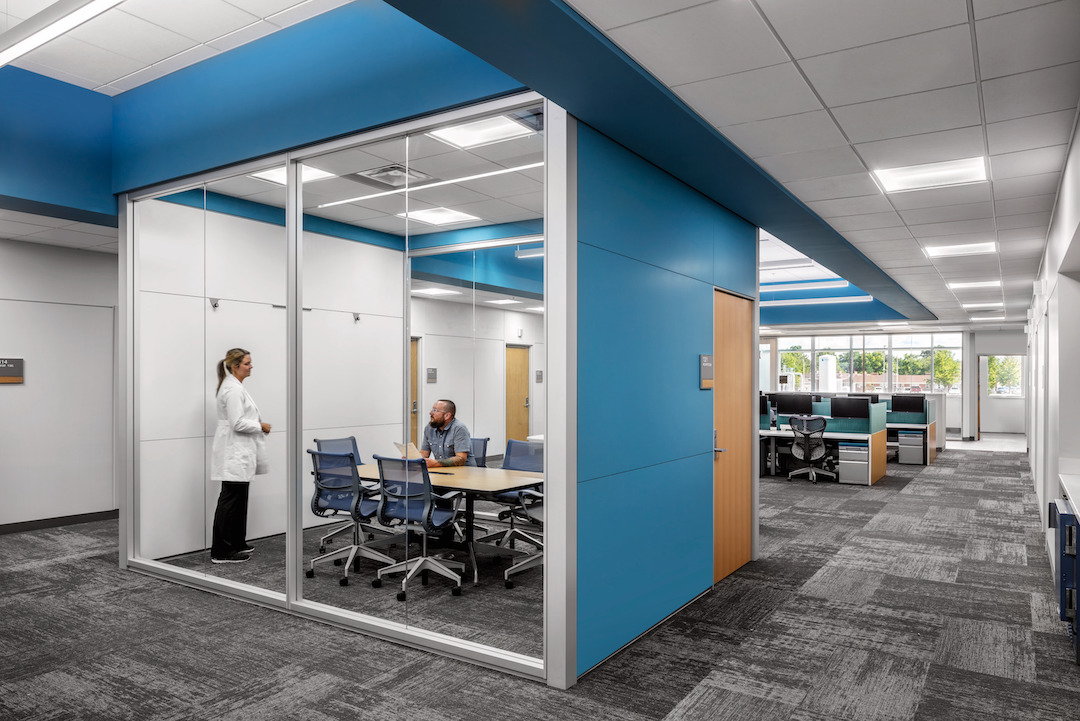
(733, 409)
(517, 393)
(414, 388)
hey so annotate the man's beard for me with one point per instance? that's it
(435, 424)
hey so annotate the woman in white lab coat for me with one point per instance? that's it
(238, 455)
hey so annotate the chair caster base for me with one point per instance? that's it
(401, 596)
(344, 581)
(455, 591)
(310, 573)
(509, 584)
(322, 550)
(376, 583)
(338, 561)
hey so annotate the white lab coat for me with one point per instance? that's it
(239, 450)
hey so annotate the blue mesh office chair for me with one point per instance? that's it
(526, 505)
(478, 448)
(338, 445)
(809, 446)
(338, 488)
(408, 500)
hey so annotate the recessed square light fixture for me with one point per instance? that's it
(502, 301)
(436, 291)
(932, 175)
(975, 284)
(438, 216)
(307, 174)
(945, 251)
(481, 132)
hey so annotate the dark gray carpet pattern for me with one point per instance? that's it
(926, 596)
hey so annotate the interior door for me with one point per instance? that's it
(517, 393)
(733, 408)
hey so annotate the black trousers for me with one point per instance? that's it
(230, 519)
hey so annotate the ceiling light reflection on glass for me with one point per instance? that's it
(307, 174)
(932, 175)
(438, 216)
(503, 301)
(983, 305)
(817, 301)
(481, 132)
(436, 291)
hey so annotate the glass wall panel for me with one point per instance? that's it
(210, 336)
(832, 363)
(872, 367)
(795, 364)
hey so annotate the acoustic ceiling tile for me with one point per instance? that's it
(1029, 39)
(1032, 204)
(861, 205)
(787, 134)
(916, 63)
(606, 15)
(936, 197)
(1034, 131)
(1026, 186)
(754, 95)
(947, 213)
(841, 186)
(705, 41)
(1028, 162)
(924, 148)
(1031, 93)
(913, 114)
(812, 164)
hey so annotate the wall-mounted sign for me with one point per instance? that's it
(11, 370)
(539, 376)
(706, 371)
(432, 375)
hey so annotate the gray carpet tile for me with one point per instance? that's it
(925, 596)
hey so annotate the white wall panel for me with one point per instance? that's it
(353, 370)
(173, 368)
(472, 373)
(56, 428)
(523, 328)
(32, 271)
(170, 247)
(171, 497)
(259, 329)
(1001, 415)
(245, 259)
(349, 276)
(489, 393)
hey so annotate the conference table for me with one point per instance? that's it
(473, 482)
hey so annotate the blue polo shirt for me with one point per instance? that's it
(448, 442)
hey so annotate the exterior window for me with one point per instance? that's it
(795, 365)
(1005, 375)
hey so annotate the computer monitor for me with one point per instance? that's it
(793, 403)
(872, 396)
(850, 407)
(763, 405)
(909, 403)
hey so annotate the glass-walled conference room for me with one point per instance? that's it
(365, 283)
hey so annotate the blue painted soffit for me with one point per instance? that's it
(545, 45)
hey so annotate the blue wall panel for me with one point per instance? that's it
(356, 67)
(55, 143)
(734, 267)
(630, 578)
(647, 257)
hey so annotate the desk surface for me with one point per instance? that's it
(908, 426)
(786, 432)
(472, 479)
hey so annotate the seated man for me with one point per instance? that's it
(446, 439)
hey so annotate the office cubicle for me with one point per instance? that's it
(357, 319)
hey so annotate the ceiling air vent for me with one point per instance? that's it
(394, 176)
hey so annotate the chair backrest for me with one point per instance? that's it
(339, 445)
(337, 482)
(524, 456)
(478, 448)
(809, 442)
(405, 488)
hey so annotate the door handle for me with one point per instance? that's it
(719, 450)
(714, 448)
(414, 406)
(526, 401)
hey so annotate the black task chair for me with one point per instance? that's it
(338, 488)
(809, 446)
(407, 500)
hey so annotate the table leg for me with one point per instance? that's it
(772, 455)
(469, 504)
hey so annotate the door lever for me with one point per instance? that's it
(715, 449)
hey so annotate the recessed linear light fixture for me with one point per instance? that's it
(441, 183)
(785, 263)
(932, 175)
(49, 24)
(485, 131)
(278, 175)
(529, 253)
(538, 308)
(975, 284)
(990, 317)
(770, 288)
(436, 291)
(818, 301)
(982, 305)
(502, 301)
(945, 251)
(885, 323)
(438, 216)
